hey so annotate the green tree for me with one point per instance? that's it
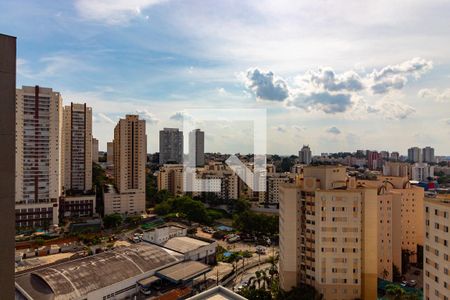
(112, 220)
(394, 292)
(301, 292)
(256, 294)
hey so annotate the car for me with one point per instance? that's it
(412, 283)
(404, 283)
(261, 249)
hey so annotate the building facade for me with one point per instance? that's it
(95, 150)
(328, 235)
(110, 154)
(38, 156)
(305, 155)
(436, 250)
(428, 155)
(127, 196)
(171, 146)
(77, 148)
(197, 148)
(414, 154)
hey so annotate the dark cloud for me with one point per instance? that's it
(324, 101)
(265, 87)
(334, 130)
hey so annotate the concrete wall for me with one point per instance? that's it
(7, 163)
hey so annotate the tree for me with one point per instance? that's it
(396, 276)
(301, 292)
(394, 292)
(255, 294)
(113, 220)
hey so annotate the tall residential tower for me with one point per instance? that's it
(38, 156)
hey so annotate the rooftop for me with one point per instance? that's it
(78, 278)
(184, 271)
(217, 293)
(184, 244)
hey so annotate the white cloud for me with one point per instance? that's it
(396, 76)
(438, 96)
(180, 116)
(329, 92)
(334, 130)
(280, 128)
(149, 117)
(391, 109)
(113, 12)
(105, 118)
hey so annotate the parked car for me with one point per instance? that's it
(412, 283)
(234, 239)
(261, 249)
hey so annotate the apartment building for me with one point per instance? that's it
(411, 209)
(328, 235)
(305, 155)
(197, 148)
(110, 155)
(95, 150)
(396, 169)
(127, 196)
(77, 148)
(421, 171)
(38, 156)
(428, 155)
(436, 252)
(170, 178)
(171, 146)
(273, 182)
(415, 154)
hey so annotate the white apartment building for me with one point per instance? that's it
(421, 171)
(38, 156)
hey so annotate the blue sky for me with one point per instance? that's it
(337, 76)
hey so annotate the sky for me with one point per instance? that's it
(338, 76)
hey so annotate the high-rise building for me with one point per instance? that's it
(328, 235)
(95, 150)
(304, 155)
(384, 155)
(38, 156)
(130, 157)
(373, 160)
(110, 154)
(436, 253)
(197, 147)
(414, 154)
(7, 162)
(411, 210)
(395, 156)
(170, 178)
(77, 148)
(421, 171)
(428, 155)
(171, 146)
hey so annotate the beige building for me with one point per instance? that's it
(130, 155)
(38, 156)
(95, 150)
(110, 154)
(411, 209)
(77, 148)
(170, 178)
(328, 235)
(436, 252)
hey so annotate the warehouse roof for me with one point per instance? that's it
(184, 271)
(77, 278)
(184, 244)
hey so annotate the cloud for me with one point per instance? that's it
(298, 128)
(329, 103)
(280, 128)
(394, 77)
(327, 79)
(147, 116)
(325, 90)
(180, 116)
(113, 12)
(105, 118)
(391, 109)
(265, 86)
(334, 130)
(438, 96)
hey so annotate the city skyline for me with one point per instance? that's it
(327, 81)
